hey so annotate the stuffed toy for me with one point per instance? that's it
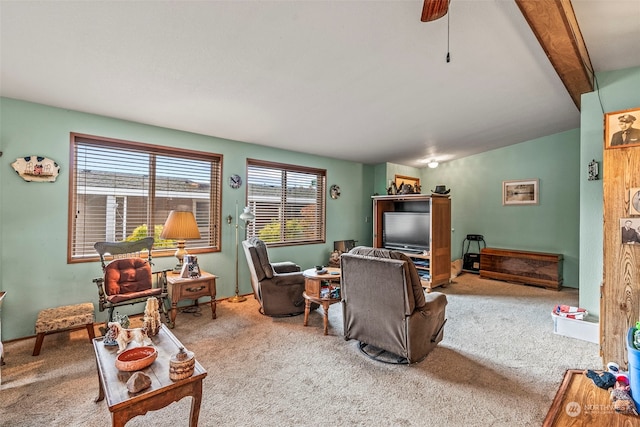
(622, 402)
(605, 380)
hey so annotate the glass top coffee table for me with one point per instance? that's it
(314, 292)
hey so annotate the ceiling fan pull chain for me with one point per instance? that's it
(448, 54)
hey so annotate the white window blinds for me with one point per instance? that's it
(288, 202)
(123, 190)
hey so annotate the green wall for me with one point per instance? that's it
(619, 90)
(568, 220)
(476, 198)
(34, 271)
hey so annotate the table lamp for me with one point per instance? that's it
(180, 225)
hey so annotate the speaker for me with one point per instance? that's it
(471, 262)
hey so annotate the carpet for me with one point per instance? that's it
(499, 364)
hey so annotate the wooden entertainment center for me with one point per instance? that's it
(434, 265)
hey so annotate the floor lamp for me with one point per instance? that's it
(246, 216)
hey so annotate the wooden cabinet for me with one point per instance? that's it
(532, 268)
(187, 288)
(433, 265)
(620, 289)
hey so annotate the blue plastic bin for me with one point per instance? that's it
(634, 368)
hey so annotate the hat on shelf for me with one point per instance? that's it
(441, 189)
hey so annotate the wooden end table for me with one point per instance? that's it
(188, 288)
(312, 286)
(163, 391)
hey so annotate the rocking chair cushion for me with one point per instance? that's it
(127, 275)
(153, 292)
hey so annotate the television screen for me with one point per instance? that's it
(408, 231)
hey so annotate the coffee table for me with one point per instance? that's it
(312, 286)
(163, 391)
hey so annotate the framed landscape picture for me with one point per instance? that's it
(622, 128)
(520, 192)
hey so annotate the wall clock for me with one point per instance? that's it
(235, 181)
(334, 191)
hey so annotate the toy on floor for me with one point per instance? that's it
(570, 312)
(604, 380)
(622, 402)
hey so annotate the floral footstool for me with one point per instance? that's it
(52, 320)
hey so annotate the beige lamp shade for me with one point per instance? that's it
(180, 225)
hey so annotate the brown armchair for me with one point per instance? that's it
(128, 278)
(277, 286)
(385, 308)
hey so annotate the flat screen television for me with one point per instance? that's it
(406, 231)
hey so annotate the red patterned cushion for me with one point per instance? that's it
(123, 276)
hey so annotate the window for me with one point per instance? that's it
(288, 202)
(118, 188)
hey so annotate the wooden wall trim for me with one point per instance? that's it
(555, 26)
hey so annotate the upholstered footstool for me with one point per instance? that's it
(63, 318)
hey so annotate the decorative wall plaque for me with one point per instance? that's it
(36, 168)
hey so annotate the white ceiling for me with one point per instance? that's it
(358, 80)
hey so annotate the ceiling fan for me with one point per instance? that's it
(434, 9)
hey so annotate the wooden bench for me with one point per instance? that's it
(532, 268)
(52, 320)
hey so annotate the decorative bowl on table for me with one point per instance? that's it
(136, 358)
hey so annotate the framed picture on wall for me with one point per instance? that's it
(634, 201)
(520, 192)
(412, 183)
(630, 231)
(401, 179)
(622, 128)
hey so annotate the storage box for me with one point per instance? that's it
(634, 367)
(580, 329)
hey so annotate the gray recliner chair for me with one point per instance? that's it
(277, 286)
(385, 308)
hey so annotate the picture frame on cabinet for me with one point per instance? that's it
(622, 128)
(402, 179)
(520, 192)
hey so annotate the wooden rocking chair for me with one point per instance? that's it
(127, 277)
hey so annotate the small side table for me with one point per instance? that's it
(312, 285)
(180, 289)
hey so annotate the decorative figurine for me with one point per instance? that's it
(125, 336)
(151, 321)
(110, 334)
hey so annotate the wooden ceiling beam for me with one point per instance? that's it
(555, 26)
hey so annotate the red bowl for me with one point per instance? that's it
(136, 358)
